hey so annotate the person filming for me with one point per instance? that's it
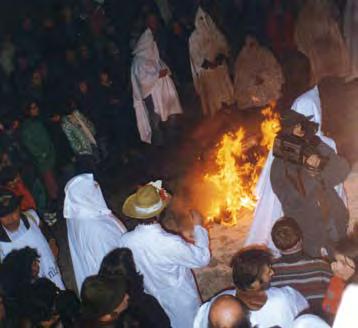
(303, 175)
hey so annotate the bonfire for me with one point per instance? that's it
(238, 165)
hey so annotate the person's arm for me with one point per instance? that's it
(284, 189)
(337, 168)
(190, 255)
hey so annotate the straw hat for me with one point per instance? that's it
(149, 201)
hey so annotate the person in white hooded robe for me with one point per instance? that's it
(92, 229)
(351, 37)
(268, 208)
(208, 49)
(155, 97)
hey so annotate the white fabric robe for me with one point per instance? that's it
(166, 260)
(309, 321)
(351, 36)
(268, 208)
(282, 307)
(258, 76)
(92, 229)
(145, 69)
(213, 85)
(347, 315)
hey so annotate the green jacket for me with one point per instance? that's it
(37, 141)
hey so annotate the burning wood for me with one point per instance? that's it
(238, 162)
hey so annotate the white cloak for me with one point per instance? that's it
(93, 231)
(351, 36)
(282, 307)
(166, 260)
(213, 85)
(258, 76)
(145, 69)
(268, 208)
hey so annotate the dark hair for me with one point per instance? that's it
(8, 174)
(120, 262)
(247, 266)
(16, 270)
(286, 233)
(68, 307)
(38, 301)
(348, 246)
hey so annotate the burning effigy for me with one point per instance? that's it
(222, 185)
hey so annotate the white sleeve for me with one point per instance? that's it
(186, 254)
(347, 315)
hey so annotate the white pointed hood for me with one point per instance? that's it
(84, 199)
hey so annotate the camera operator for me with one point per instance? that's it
(305, 184)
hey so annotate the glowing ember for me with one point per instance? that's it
(237, 170)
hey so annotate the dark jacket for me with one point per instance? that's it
(312, 200)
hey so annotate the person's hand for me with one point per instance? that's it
(53, 246)
(196, 217)
(313, 161)
(163, 72)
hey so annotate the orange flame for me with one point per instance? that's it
(236, 176)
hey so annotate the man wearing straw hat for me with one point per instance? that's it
(165, 259)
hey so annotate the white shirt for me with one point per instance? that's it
(347, 315)
(166, 260)
(282, 307)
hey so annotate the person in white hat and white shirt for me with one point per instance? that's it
(92, 229)
(165, 260)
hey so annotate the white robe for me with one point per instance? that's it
(309, 321)
(347, 312)
(145, 69)
(268, 208)
(258, 76)
(213, 85)
(282, 307)
(166, 260)
(93, 231)
(350, 34)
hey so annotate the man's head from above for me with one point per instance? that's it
(103, 298)
(251, 269)
(152, 22)
(293, 123)
(9, 210)
(287, 235)
(227, 312)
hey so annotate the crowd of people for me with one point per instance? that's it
(74, 84)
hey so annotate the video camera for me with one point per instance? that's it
(296, 150)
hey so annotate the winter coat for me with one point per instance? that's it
(312, 200)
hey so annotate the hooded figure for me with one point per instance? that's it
(350, 34)
(208, 49)
(258, 76)
(92, 229)
(318, 36)
(148, 81)
(268, 208)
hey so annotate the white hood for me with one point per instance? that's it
(84, 199)
(309, 104)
